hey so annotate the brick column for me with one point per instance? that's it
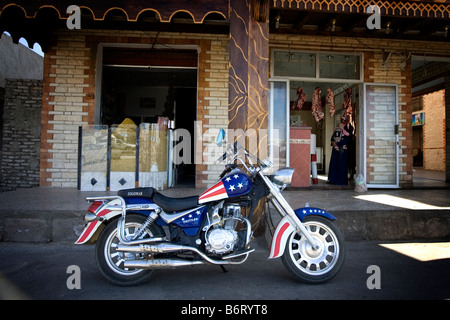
(447, 127)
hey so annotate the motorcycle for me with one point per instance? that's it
(141, 230)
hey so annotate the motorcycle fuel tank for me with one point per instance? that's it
(234, 184)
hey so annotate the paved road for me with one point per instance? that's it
(39, 271)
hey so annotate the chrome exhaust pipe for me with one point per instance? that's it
(168, 247)
(158, 248)
(159, 263)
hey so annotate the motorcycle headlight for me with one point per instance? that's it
(283, 177)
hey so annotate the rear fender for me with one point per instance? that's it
(92, 227)
(103, 216)
(286, 226)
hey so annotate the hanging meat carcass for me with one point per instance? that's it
(317, 105)
(348, 104)
(330, 101)
(301, 98)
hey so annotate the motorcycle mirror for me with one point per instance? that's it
(220, 137)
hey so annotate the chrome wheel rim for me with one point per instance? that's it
(310, 261)
(115, 259)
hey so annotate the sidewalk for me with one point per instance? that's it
(55, 214)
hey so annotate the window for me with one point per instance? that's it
(335, 66)
(295, 64)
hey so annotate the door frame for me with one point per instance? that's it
(270, 124)
(364, 138)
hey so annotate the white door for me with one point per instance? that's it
(381, 135)
(278, 123)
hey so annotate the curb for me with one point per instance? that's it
(384, 225)
(41, 226)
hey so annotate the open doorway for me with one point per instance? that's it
(145, 85)
(429, 121)
(335, 99)
(329, 82)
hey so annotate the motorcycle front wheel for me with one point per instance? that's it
(111, 262)
(315, 266)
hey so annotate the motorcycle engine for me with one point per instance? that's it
(222, 237)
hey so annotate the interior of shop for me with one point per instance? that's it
(335, 98)
(322, 88)
(145, 95)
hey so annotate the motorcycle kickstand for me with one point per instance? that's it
(223, 268)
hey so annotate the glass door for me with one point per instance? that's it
(278, 123)
(381, 135)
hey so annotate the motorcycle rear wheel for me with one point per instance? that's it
(110, 261)
(315, 266)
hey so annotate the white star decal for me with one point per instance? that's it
(232, 188)
(236, 176)
(190, 216)
(240, 186)
(198, 212)
(228, 179)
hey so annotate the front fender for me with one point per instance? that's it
(310, 211)
(286, 226)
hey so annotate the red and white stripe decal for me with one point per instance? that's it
(216, 192)
(280, 237)
(91, 228)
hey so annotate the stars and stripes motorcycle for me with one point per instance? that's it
(141, 230)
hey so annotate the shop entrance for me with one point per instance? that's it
(335, 99)
(152, 88)
(429, 114)
(312, 92)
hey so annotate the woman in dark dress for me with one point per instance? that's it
(337, 173)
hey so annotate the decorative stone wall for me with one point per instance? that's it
(19, 166)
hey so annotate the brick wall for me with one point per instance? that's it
(21, 134)
(69, 87)
(69, 94)
(212, 104)
(434, 131)
(447, 126)
(67, 78)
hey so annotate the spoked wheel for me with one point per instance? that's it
(111, 262)
(320, 265)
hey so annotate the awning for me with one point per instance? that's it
(35, 20)
(412, 19)
(132, 9)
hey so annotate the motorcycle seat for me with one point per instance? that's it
(137, 193)
(168, 204)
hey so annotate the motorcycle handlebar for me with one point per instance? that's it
(234, 149)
